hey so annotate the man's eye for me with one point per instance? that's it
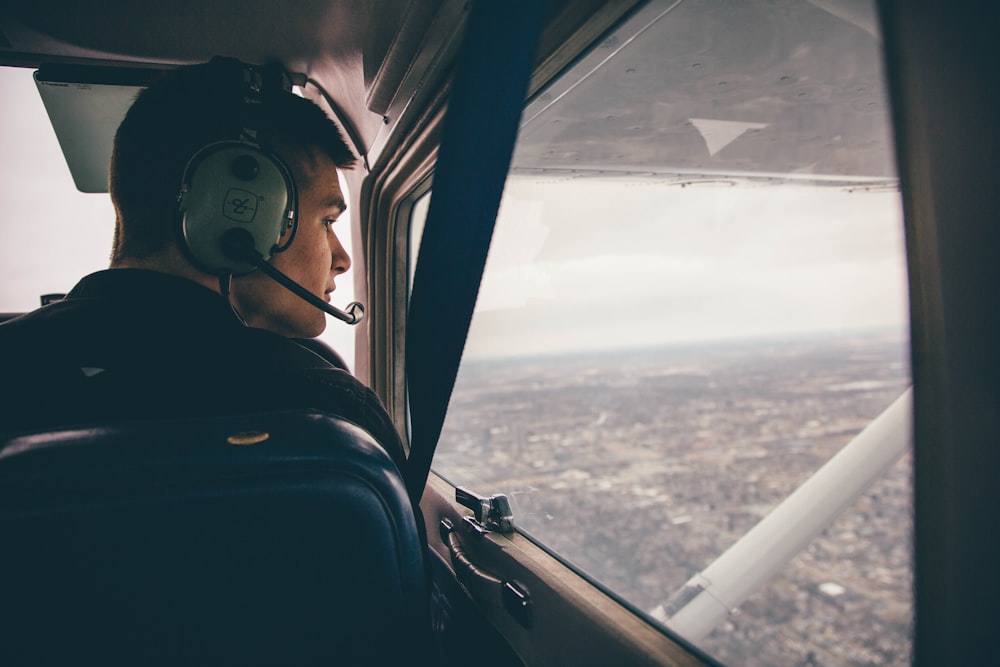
(328, 222)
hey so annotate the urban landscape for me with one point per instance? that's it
(640, 467)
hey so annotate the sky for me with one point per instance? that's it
(580, 264)
(51, 235)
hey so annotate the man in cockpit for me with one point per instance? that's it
(180, 325)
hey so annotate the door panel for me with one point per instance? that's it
(572, 621)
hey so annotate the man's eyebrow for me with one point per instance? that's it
(336, 202)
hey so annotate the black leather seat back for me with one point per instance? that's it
(282, 539)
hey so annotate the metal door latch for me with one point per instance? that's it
(491, 514)
(483, 585)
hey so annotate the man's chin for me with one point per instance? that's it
(314, 327)
(304, 327)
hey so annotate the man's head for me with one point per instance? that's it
(190, 108)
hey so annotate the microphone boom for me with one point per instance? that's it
(235, 245)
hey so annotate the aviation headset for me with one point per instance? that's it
(238, 204)
(235, 192)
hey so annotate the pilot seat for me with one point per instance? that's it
(275, 538)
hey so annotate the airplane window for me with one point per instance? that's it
(695, 299)
(53, 234)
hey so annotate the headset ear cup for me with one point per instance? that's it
(234, 185)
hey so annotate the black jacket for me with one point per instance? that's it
(134, 344)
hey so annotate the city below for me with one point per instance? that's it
(639, 468)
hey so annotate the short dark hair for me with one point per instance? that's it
(184, 110)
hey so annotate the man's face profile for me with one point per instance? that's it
(314, 259)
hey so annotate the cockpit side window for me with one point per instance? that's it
(695, 299)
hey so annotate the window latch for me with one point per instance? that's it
(491, 514)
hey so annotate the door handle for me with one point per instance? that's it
(484, 586)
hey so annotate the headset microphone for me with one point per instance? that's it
(238, 244)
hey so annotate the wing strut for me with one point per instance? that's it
(715, 592)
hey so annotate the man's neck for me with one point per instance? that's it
(171, 262)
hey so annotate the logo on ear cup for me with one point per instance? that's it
(240, 205)
(235, 184)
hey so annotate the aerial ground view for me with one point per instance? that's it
(640, 467)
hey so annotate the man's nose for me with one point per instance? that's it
(340, 261)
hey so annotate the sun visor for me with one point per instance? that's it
(85, 106)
